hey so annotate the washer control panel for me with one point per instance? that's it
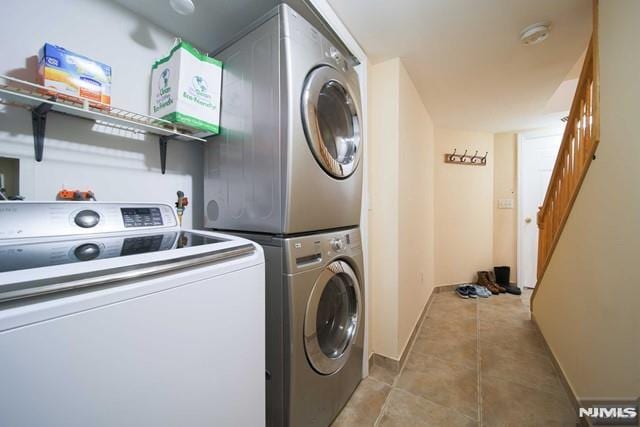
(310, 251)
(87, 218)
(336, 58)
(141, 217)
(49, 219)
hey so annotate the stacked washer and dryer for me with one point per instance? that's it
(285, 173)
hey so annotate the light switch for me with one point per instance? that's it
(505, 203)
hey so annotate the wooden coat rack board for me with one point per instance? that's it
(466, 159)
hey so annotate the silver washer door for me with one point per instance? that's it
(331, 120)
(332, 318)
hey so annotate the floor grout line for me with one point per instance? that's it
(449, 361)
(479, 367)
(530, 387)
(371, 377)
(401, 390)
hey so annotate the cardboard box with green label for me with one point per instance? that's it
(185, 89)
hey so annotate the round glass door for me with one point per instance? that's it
(331, 121)
(332, 318)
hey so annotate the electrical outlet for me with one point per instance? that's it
(505, 203)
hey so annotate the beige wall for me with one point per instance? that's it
(463, 208)
(505, 187)
(383, 205)
(588, 302)
(400, 206)
(416, 215)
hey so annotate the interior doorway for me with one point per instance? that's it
(9, 178)
(537, 152)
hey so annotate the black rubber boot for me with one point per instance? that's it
(502, 278)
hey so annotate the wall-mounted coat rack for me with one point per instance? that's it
(466, 159)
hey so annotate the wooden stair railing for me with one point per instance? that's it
(579, 143)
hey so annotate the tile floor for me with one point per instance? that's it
(474, 363)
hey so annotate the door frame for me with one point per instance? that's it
(522, 138)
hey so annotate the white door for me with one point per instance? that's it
(537, 154)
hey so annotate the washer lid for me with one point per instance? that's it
(30, 268)
(331, 120)
(20, 255)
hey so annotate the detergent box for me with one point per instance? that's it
(185, 89)
(74, 75)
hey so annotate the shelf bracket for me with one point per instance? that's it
(164, 139)
(39, 121)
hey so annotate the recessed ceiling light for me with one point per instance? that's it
(535, 33)
(183, 7)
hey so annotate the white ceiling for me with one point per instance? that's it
(217, 22)
(213, 23)
(466, 60)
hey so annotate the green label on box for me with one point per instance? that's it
(191, 121)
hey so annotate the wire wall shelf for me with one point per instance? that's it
(41, 100)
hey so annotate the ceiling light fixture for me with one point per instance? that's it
(535, 33)
(183, 7)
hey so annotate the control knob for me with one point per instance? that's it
(87, 218)
(335, 54)
(87, 251)
(337, 245)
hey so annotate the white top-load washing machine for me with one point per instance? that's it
(287, 159)
(112, 315)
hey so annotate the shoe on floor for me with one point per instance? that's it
(513, 290)
(483, 280)
(471, 291)
(503, 274)
(462, 292)
(481, 291)
(491, 276)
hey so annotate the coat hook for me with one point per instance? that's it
(473, 158)
(453, 154)
(463, 156)
(484, 159)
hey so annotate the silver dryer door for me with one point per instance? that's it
(331, 120)
(332, 318)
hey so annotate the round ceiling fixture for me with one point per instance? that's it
(535, 33)
(183, 7)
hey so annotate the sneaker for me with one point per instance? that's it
(481, 291)
(462, 292)
(471, 291)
